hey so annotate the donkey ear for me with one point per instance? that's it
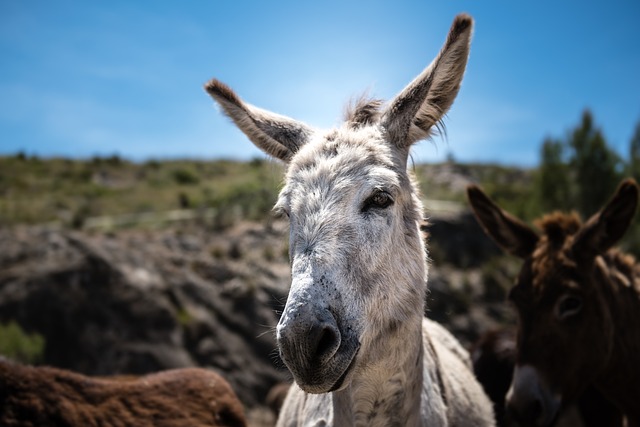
(511, 234)
(422, 104)
(274, 134)
(604, 229)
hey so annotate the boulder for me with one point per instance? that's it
(136, 302)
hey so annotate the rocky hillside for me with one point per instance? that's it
(138, 301)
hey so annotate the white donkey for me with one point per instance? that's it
(352, 332)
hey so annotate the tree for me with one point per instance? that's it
(595, 165)
(634, 154)
(553, 180)
(631, 240)
(579, 173)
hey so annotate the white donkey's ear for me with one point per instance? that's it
(422, 104)
(276, 135)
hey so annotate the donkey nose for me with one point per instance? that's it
(528, 402)
(308, 334)
(530, 413)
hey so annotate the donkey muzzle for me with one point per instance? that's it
(529, 402)
(313, 347)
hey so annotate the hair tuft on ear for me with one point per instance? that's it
(276, 135)
(421, 106)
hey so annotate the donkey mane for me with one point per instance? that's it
(621, 268)
(557, 226)
(363, 111)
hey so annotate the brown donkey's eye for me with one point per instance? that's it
(380, 199)
(568, 305)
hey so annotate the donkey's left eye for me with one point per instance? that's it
(380, 199)
(568, 306)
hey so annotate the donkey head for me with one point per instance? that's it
(564, 326)
(357, 257)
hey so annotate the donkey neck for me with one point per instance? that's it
(619, 279)
(387, 389)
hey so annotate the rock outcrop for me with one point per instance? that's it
(140, 301)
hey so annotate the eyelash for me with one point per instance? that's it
(279, 212)
(380, 199)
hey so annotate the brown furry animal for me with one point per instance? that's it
(49, 397)
(578, 304)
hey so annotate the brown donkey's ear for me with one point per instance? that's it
(422, 104)
(604, 229)
(511, 234)
(276, 135)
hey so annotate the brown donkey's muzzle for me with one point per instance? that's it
(529, 402)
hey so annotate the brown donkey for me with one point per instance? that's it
(578, 304)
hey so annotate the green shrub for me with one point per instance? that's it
(20, 345)
(184, 176)
(183, 317)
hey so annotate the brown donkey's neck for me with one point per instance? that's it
(619, 276)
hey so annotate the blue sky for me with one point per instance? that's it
(96, 78)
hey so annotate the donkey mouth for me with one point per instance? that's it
(341, 381)
(329, 376)
(318, 349)
(529, 401)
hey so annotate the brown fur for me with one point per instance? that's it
(594, 341)
(557, 226)
(43, 396)
(493, 357)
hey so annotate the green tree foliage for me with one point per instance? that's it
(19, 345)
(632, 238)
(580, 172)
(634, 154)
(553, 179)
(595, 165)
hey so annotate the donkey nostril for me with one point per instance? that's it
(327, 341)
(535, 410)
(530, 413)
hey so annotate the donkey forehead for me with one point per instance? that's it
(341, 162)
(544, 277)
(553, 266)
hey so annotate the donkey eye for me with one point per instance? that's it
(380, 199)
(280, 212)
(568, 306)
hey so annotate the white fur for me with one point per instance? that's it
(352, 332)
